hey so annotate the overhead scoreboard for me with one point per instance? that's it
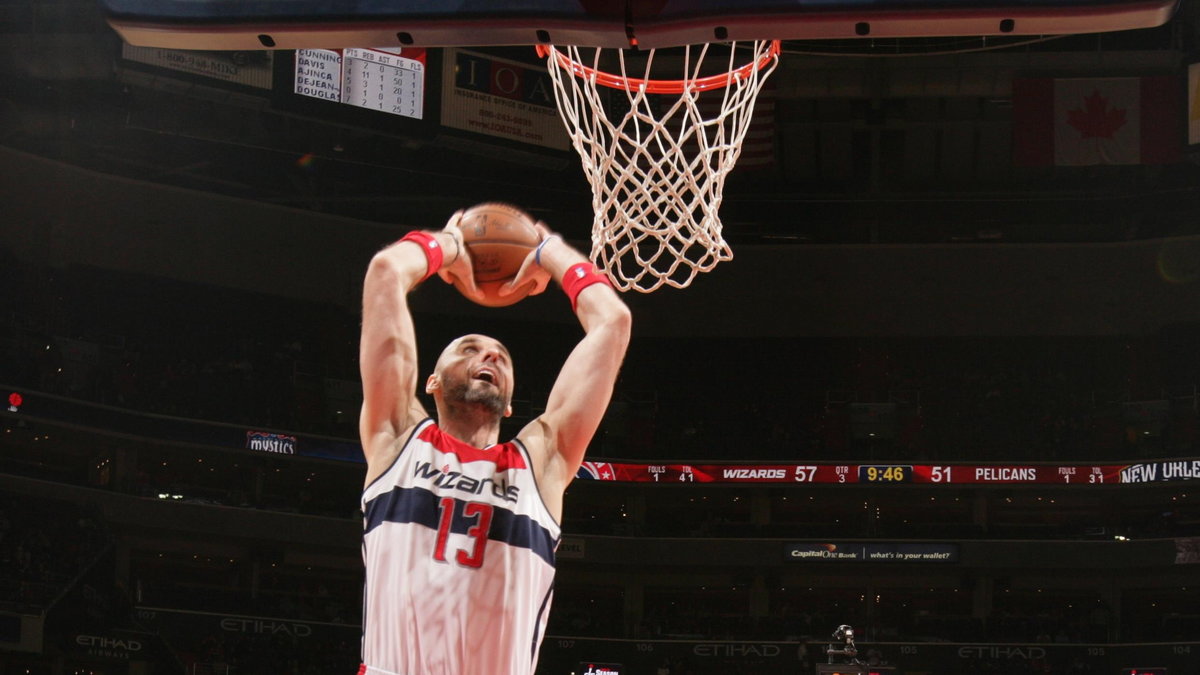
(897, 474)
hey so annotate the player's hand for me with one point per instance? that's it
(459, 267)
(531, 272)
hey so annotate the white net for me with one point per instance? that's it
(657, 154)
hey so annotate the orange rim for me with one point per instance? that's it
(659, 86)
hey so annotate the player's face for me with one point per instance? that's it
(477, 369)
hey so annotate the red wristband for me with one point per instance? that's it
(432, 249)
(578, 277)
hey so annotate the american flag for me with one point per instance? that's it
(758, 147)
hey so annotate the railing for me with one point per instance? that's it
(564, 654)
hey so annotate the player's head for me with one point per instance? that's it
(474, 371)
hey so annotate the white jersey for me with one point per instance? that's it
(459, 552)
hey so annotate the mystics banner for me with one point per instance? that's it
(1093, 121)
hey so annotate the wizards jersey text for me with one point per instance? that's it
(459, 554)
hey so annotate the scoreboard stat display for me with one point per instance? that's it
(387, 80)
(897, 474)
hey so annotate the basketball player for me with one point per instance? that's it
(460, 530)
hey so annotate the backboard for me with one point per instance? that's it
(293, 24)
(658, 159)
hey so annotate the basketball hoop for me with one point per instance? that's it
(658, 168)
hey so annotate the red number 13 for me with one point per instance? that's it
(479, 531)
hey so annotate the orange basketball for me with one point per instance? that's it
(499, 237)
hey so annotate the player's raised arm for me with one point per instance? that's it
(584, 386)
(388, 349)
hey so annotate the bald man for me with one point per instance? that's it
(460, 529)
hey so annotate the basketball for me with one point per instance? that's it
(498, 237)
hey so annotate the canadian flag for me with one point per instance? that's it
(1089, 121)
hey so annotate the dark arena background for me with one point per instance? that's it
(947, 392)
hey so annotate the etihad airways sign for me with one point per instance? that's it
(109, 647)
